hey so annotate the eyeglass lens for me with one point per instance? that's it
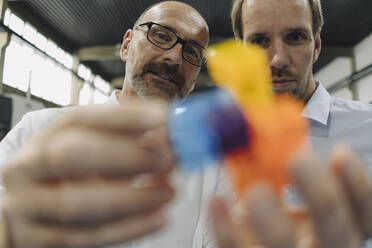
(166, 39)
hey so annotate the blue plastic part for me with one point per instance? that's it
(198, 128)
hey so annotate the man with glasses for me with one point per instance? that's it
(166, 38)
(98, 175)
(167, 69)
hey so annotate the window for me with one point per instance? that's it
(51, 49)
(41, 41)
(30, 33)
(7, 17)
(27, 67)
(99, 97)
(16, 24)
(84, 72)
(16, 65)
(85, 92)
(102, 85)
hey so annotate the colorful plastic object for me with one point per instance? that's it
(249, 127)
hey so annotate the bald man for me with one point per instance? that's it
(98, 175)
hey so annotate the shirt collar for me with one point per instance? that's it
(317, 108)
(113, 99)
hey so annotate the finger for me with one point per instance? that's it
(121, 230)
(155, 138)
(304, 227)
(82, 152)
(86, 203)
(327, 204)
(131, 116)
(357, 185)
(268, 219)
(222, 225)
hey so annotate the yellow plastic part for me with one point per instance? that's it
(275, 123)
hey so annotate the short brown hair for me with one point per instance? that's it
(236, 17)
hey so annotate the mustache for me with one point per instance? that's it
(280, 72)
(164, 68)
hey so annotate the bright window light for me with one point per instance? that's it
(68, 60)
(16, 24)
(41, 41)
(59, 55)
(16, 70)
(51, 49)
(39, 78)
(61, 86)
(53, 85)
(7, 17)
(48, 80)
(99, 97)
(85, 94)
(101, 84)
(26, 66)
(84, 72)
(29, 33)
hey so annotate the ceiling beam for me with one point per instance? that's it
(27, 14)
(94, 53)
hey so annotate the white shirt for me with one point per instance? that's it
(335, 120)
(187, 214)
(332, 121)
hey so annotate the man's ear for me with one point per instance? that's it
(125, 45)
(318, 46)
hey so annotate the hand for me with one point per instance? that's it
(338, 212)
(76, 184)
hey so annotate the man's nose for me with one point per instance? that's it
(174, 55)
(278, 55)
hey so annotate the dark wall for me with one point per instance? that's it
(5, 115)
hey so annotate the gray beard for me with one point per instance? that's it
(146, 90)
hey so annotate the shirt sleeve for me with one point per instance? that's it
(11, 143)
(15, 138)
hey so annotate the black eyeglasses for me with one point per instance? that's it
(166, 39)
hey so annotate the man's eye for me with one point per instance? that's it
(296, 37)
(161, 36)
(261, 41)
(191, 52)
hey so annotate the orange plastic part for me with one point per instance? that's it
(277, 133)
(277, 128)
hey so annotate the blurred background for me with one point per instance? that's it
(57, 53)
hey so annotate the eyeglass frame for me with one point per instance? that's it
(179, 40)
